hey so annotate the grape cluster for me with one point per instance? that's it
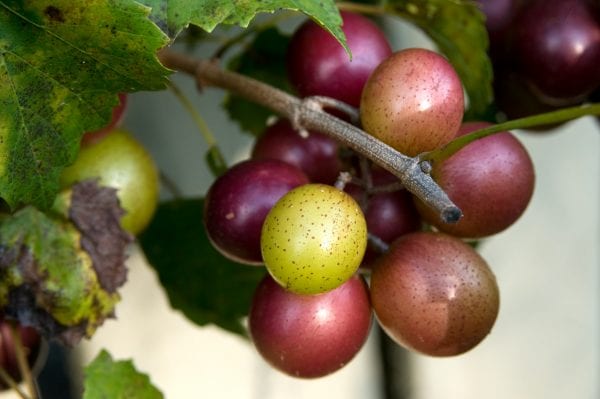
(318, 231)
(545, 53)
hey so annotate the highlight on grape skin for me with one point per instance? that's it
(310, 336)
(434, 294)
(313, 239)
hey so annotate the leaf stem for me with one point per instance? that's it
(21, 356)
(368, 9)
(8, 380)
(213, 156)
(411, 171)
(561, 115)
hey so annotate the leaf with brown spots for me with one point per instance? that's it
(59, 271)
(62, 63)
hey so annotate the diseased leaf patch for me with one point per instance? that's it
(47, 278)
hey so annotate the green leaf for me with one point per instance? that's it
(458, 29)
(62, 63)
(264, 60)
(199, 281)
(174, 15)
(60, 271)
(106, 378)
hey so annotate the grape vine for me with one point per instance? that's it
(372, 170)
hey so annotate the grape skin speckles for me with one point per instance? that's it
(314, 239)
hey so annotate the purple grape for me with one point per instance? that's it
(318, 64)
(557, 46)
(316, 155)
(238, 202)
(310, 336)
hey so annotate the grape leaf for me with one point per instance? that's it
(62, 63)
(59, 271)
(458, 29)
(264, 60)
(174, 15)
(199, 281)
(106, 378)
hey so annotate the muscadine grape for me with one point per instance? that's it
(491, 180)
(413, 101)
(317, 63)
(434, 294)
(313, 239)
(389, 214)
(310, 336)
(238, 201)
(316, 155)
(499, 18)
(121, 162)
(557, 48)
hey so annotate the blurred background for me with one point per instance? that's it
(545, 343)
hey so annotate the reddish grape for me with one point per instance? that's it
(434, 294)
(491, 180)
(310, 336)
(117, 117)
(238, 202)
(31, 341)
(316, 155)
(500, 15)
(413, 101)
(389, 214)
(318, 64)
(515, 99)
(557, 46)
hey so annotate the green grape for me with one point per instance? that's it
(121, 162)
(313, 239)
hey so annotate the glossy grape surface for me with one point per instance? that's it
(317, 64)
(310, 336)
(238, 201)
(557, 46)
(314, 239)
(434, 294)
(121, 162)
(413, 101)
(491, 180)
(316, 155)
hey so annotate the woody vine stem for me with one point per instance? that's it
(413, 172)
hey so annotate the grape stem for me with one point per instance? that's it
(548, 118)
(412, 171)
(21, 355)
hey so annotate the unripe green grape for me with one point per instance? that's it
(313, 239)
(121, 162)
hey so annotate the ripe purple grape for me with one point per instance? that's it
(413, 101)
(310, 336)
(434, 294)
(317, 64)
(557, 46)
(491, 180)
(238, 201)
(389, 214)
(500, 15)
(316, 155)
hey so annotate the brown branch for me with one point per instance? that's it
(411, 171)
